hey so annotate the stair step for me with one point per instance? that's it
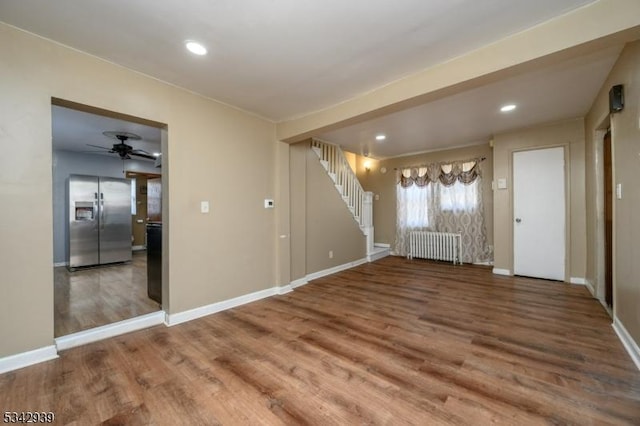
(325, 164)
(333, 176)
(318, 151)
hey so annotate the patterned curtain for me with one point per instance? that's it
(449, 196)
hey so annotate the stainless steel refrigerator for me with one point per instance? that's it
(99, 220)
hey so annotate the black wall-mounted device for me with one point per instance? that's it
(616, 98)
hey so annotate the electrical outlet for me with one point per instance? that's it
(204, 207)
(330, 254)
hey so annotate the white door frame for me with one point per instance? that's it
(567, 203)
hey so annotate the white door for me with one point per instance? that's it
(539, 213)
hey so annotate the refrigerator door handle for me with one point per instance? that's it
(95, 211)
(101, 210)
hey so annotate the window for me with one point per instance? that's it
(414, 201)
(459, 197)
(443, 197)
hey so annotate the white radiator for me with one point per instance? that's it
(435, 245)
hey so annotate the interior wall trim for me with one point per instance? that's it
(578, 280)
(590, 287)
(378, 253)
(335, 269)
(192, 314)
(299, 282)
(499, 271)
(109, 330)
(25, 359)
(627, 341)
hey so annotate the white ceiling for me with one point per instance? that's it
(282, 59)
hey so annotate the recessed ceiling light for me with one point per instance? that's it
(156, 154)
(508, 108)
(196, 48)
(380, 137)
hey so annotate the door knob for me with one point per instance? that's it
(518, 220)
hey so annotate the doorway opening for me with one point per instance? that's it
(93, 286)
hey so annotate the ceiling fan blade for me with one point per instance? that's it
(138, 153)
(96, 152)
(98, 146)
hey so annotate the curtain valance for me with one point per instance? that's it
(446, 173)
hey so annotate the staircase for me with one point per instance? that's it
(358, 201)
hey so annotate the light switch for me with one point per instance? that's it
(204, 207)
(619, 191)
(502, 183)
(376, 197)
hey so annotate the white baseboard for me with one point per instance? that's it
(378, 253)
(180, 317)
(382, 245)
(138, 248)
(315, 275)
(577, 280)
(590, 287)
(285, 289)
(25, 359)
(335, 269)
(109, 330)
(627, 341)
(57, 264)
(499, 271)
(299, 282)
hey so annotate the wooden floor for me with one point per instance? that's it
(392, 342)
(97, 296)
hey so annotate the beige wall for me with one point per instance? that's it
(320, 219)
(384, 185)
(298, 197)
(625, 132)
(569, 134)
(214, 153)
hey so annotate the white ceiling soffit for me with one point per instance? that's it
(561, 91)
(280, 59)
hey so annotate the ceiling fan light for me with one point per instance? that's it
(508, 108)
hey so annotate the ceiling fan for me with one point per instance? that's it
(124, 150)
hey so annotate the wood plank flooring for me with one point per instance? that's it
(391, 342)
(93, 297)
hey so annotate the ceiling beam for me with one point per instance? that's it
(597, 25)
